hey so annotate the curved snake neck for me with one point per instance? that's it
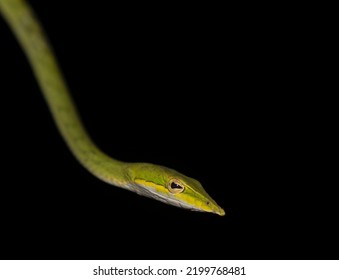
(47, 72)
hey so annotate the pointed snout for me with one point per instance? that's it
(212, 207)
(220, 212)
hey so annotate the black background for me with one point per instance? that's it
(205, 90)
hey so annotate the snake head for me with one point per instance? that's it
(171, 187)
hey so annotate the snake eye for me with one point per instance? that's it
(175, 187)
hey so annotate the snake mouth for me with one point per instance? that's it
(151, 193)
(210, 207)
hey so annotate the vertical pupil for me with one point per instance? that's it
(175, 186)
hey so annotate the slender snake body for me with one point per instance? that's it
(154, 181)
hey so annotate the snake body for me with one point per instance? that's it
(154, 181)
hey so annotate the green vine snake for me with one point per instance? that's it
(154, 181)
